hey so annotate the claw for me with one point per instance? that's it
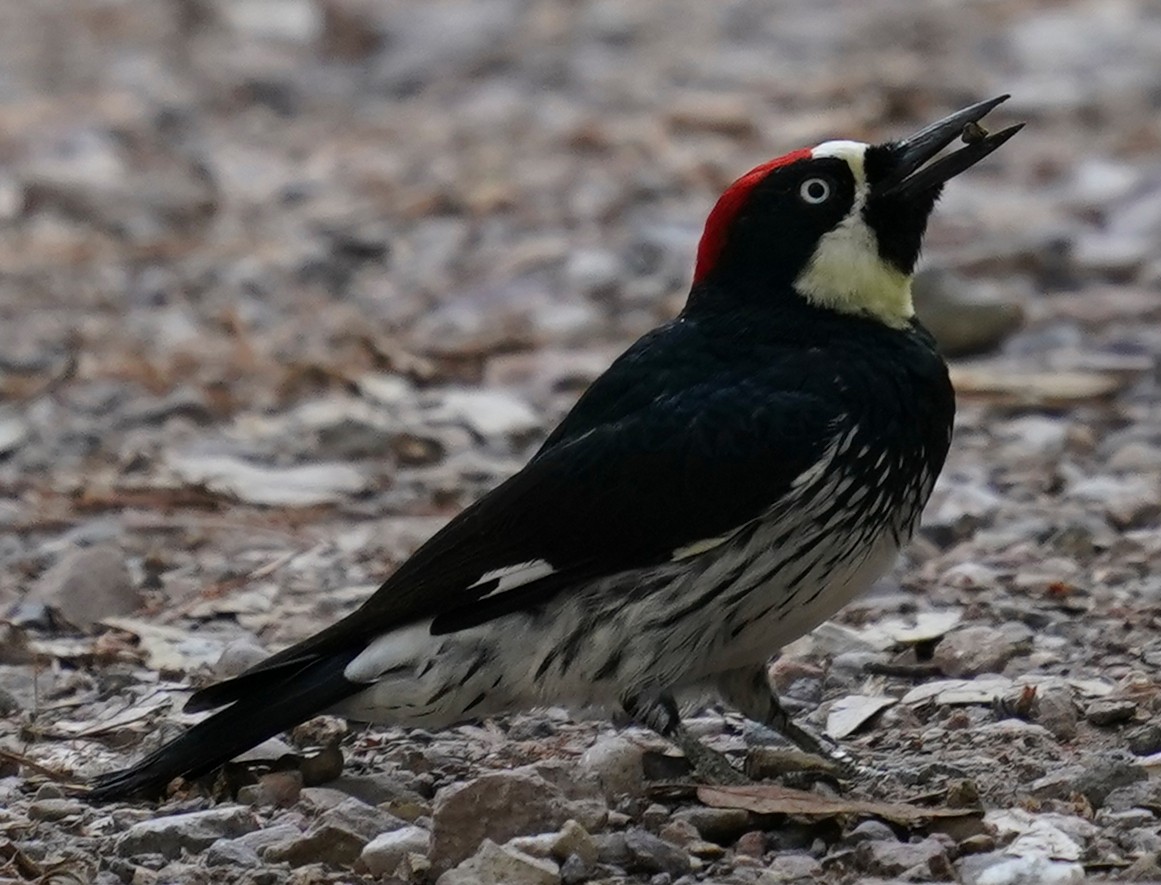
(708, 764)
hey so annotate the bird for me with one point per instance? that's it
(732, 480)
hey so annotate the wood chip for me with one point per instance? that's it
(773, 799)
(1035, 389)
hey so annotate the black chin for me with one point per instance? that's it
(906, 177)
(899, 225)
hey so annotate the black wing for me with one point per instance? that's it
(652, 459)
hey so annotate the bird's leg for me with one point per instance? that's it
(660, 713)
(749, 690)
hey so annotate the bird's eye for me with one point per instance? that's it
(814, 190)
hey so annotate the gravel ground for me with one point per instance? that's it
(286, 283)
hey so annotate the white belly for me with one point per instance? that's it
(593, 646)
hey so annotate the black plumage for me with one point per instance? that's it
(735, 476)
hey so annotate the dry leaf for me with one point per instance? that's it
(848, 714)
(920, 627)
(982, 690)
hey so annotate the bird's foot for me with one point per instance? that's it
(708, 764)
(842, 763)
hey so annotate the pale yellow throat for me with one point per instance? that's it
(847, 274)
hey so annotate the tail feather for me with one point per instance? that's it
(254, 682)
(232, 730)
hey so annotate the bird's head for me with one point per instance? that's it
(839, 225)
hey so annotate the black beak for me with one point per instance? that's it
(908, 176)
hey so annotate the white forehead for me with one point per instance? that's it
(852, 152)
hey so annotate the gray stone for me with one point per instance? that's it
(1145, 740)
(970, 651)
(751, 844)
(498, 806)
(231, 853)
(325, 844)
(54, 809)
(1139, 794)
(650, 854)
(1110, 711)
(788, 868)
(88, 585)
(1055, 708)
(575, 870)
(237, 656)
(381, 788)
(383, 854)
(1129, 502)
(1060, 783)
(870, 831)
(572, 839)
(276, 788)
(1104, 773)
(886, 857)
(360, 818)
(720, 825)
(322, 798)
(339, 836)
(169, 836)
(501, 865)
(616, 763)
(261, 840)
(966, 317)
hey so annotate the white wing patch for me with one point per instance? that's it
(511, 576)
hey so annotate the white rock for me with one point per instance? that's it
(1032, 871)
(502, 865)
(385, 852)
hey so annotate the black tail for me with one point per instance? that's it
(298, 695)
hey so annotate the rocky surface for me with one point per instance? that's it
(287, 283)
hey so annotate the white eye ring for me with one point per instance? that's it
(814, 191)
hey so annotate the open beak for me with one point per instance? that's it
(909, 176)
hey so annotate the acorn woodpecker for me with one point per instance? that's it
(732, 480)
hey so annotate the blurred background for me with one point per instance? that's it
(286, 283)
